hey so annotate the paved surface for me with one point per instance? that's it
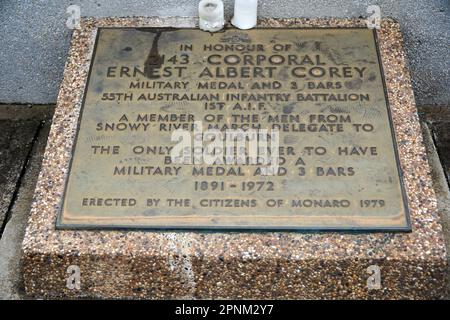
(438, 121)
(30, 157)
(35, 39)
(441, 135)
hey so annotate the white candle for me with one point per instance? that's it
(245, 12)
(210, 13)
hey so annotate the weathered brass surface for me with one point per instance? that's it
(322, 88)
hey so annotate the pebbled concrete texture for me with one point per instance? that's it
(35, 39)
(438, 121)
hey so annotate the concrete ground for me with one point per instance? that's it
(35, 39)
(24, 131)
(23, 136)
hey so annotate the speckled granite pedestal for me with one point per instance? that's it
(118, 264)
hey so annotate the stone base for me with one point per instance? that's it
(120, 264)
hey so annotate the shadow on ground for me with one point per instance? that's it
(24, 131)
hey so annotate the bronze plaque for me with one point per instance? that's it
(321, 89)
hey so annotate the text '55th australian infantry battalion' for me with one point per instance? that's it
(268, 129)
